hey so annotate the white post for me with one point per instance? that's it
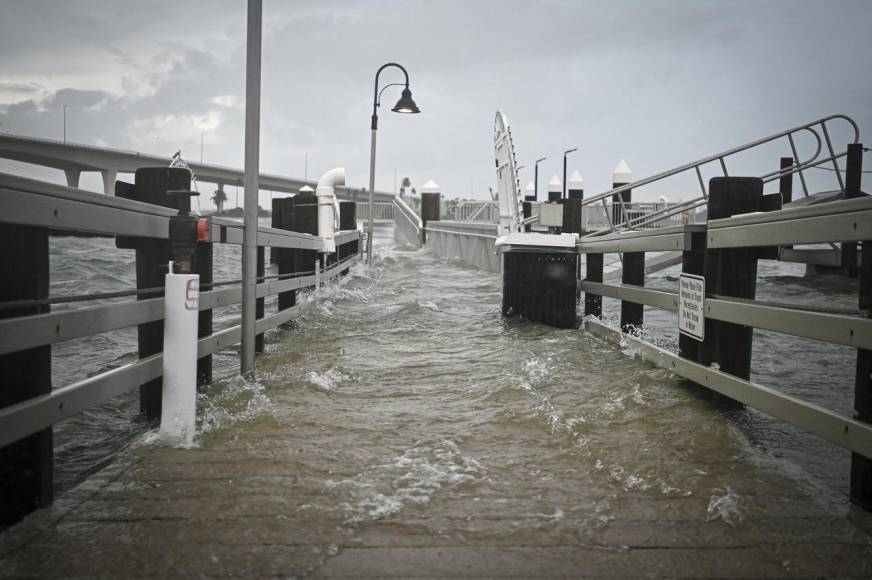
(251, 183)
(179, 397)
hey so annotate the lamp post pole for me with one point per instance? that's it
(565, 153)
(404, 105)
(536, 178)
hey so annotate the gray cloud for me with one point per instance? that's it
(658, 83)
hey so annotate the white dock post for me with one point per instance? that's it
(179, 398)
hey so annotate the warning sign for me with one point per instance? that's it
(691, 305)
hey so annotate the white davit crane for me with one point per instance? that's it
(508, 187)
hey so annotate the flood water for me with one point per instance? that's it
(402, 396)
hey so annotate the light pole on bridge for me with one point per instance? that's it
(404, 105)
(565, 153)
(536, 177)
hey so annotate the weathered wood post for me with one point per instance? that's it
(861, 467)
(692, 262)
(572, 208)
(259, 302)
(152, 256)
(347, 222)
(731, 272)
(26, 466)
(431, 206)
(275, 222)
(620, 177)
(785, 182)
(593, 303)
(555, 189)
(203, 267)
(306, 222)
(633, 274)
(284, 256)
(853, 177)
(527, 204)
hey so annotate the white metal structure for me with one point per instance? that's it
(179, 392)
(508, 187)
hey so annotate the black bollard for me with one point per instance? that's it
(27, 465)
(731, 272)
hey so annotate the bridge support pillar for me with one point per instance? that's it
(73, 177)
(731, 272)
(109, 177)
(26, 466)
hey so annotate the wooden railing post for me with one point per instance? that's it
(204, 324)
(731, 272)
(853, 177)
(692, 262)
(861, 467)
(633, 273)
(259, 302)
(593, 303)
(26, 466)
(152, 256)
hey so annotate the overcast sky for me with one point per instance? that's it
(657, 83)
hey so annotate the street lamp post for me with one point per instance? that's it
(565, 153)
(404, 105)
(536, 178)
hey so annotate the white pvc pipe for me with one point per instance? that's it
(326, 197)
(179, 399)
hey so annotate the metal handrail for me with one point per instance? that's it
(797, 168)
(408, 212)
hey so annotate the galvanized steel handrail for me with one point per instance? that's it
(789, 134)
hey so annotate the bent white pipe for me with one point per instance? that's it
(326, 193)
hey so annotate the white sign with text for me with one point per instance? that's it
(691, 306)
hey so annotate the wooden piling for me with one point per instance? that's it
(692, 262)
(853, 177)
(285, 256)
(593, 303)
(731, 272)
(347, 222)
(785, 182)
(633, 273)
(203, 267)
(527, 207)
(305, 206)
(259, 302)
(431, 210)
(152, 256)
(26, 466)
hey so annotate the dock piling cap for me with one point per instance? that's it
(622, 173)
(555, 184)
(530, 189)
(306, 189)
(431, 187)
(575, 183)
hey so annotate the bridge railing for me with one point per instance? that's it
(33, 208)
(407, 224)
(720, 360)
(474, 243)
(383, 212)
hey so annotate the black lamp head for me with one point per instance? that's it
(406, 104)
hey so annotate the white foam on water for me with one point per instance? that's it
(724, 505)
(411, 478)
(237, 399)
(327, 380)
